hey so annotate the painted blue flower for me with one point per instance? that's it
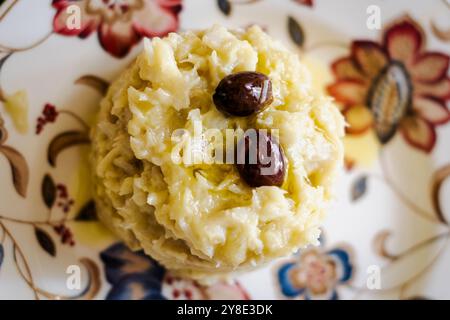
(132, 275)
(315, 274)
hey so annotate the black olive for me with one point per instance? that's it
(244, 93)
(260, 160)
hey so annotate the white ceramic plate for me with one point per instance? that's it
(388, 234)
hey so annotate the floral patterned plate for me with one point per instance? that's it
(385, 62)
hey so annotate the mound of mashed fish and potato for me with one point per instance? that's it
(208, 220)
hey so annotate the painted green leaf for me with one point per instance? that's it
(48, 191)
(45, 241)
(2, 254)
(3, 57)
(296, 31)
(63, 141)
(224, 6)
(94, 82)
(359, 188)
(437, 181)
(87, 212)
(19, 169)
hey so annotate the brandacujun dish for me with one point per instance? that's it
(209, 220)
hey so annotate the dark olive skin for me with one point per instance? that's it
(244, 93)
(270, 157)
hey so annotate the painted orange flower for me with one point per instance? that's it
(395, 85)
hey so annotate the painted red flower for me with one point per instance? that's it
(49, 114)
(394, 85)
(308, 3)
(120, 24)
